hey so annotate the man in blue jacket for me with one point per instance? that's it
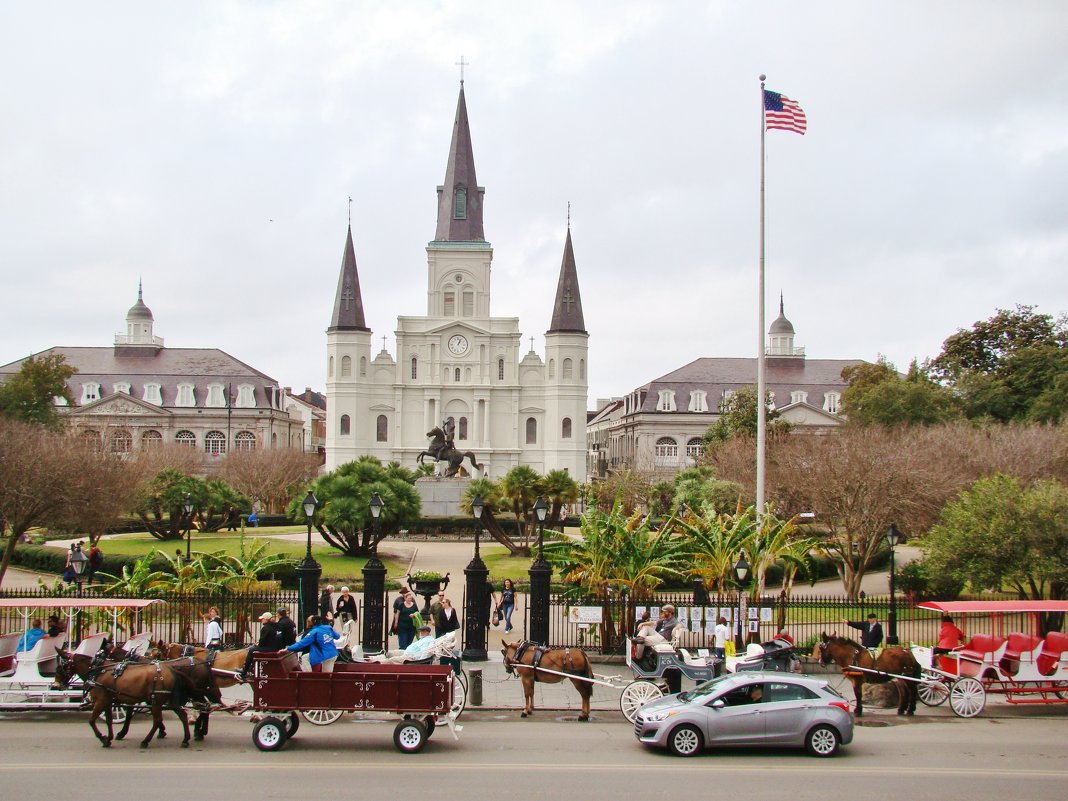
(30, 638)
(321, 640)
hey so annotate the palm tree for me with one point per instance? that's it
(183, 578)
(519, 490)
(134, 582)
(241, 573)
(714, 542)
(771, 542)
(489, 493)
(560, 489)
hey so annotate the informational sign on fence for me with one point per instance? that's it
(585, 614)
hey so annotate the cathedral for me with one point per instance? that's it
(457, 366)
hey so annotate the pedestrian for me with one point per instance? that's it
(506, 604)
(949, 637)
(232, 519)
(270, 642)
(213, 633)
(68, 567)
(720, 635)
(326, 600)
(403, 623)
(287, 626)
(321, 642)
(871, 632)
(447, 620)
(435, 609)
(96, 561)
(346, 604)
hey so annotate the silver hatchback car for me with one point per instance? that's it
(751, 708)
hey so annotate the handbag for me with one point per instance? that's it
(496, 617)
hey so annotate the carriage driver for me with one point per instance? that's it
(271, 639)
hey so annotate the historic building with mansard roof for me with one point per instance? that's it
(139, 393)
(658, 427)
(458, 362)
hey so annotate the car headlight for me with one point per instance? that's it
(656, 717)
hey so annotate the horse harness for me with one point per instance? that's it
(538, 652)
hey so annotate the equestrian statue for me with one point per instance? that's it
(443, 449)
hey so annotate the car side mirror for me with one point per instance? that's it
(719, 703)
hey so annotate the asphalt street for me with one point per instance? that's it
(497, 754)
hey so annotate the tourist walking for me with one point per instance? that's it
(506, 604)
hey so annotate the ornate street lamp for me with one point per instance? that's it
(476, 594)
(741, 571)
(540, 575)
(374, 585)
(893, 537)
(188, 506)
(78, 563)
(308, 571)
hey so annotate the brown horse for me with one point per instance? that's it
(226, 665)
(562, 660)
(893, 661)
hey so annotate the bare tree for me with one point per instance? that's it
(49, 478)
(272, 475)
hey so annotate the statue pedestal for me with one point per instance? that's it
(441, 496)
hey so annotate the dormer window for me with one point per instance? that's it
(216, 396)
(698, 401)
(186, 396)
(459, 206)
(152, 394)
(831, 402)
(798, 396)
(123, 387)
(90, 392)
(246, 396)
(666, 401)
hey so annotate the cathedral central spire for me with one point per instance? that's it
(460, 197)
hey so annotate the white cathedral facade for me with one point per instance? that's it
(457, 362)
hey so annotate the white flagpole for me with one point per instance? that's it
(762, 424)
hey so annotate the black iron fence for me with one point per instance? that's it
(596, 624)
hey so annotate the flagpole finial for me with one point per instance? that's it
(763, 77)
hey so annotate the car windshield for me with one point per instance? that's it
(705, 688)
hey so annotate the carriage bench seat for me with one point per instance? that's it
(39, 662)
(8, 644)
(1054, 654)
(1021, 649)
(982, 650)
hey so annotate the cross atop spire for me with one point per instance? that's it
(461, 64)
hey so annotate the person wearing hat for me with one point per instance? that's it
(270, 642)
(420, 647)
(346, 603)
(871, 633)
(326, 600)
(286, 626)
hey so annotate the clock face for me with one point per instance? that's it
(458, 344)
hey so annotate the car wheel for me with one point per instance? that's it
(686, 741)
(409, 736)
(822, 741)
(269, 734)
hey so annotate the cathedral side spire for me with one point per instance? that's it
(348, 303)
(567, 310)
(460, 197)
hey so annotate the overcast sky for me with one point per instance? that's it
(210, 148)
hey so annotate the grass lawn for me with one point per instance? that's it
(335, 565)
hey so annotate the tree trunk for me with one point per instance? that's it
(12, 541)
(495, 531)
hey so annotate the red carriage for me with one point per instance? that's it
(422, 694)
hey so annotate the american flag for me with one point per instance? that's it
(783, 113)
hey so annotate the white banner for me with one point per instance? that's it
(585, 614)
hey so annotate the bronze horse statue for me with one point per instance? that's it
(538, 659)
(442, 449)
(893, 661)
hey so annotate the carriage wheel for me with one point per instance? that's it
(686, 741)
(1062, 689)
(967, 697)
(269, 734)
(409, 736)
(635, 694)
(459, 700)
(292, 721)
(322, 717)
(118, 715)
(932, 689)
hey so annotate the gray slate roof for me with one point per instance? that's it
(567, 310)
(348, 301)
(460, 171)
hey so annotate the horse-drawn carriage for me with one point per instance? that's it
(425, 695)
(662, 667)
(27, 678)
(1023, 667)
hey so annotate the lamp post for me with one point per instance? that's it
(188, 506)
(893, 537)
(476, 601)
(374, 586)
(78, 562)
(540, 574)
(741, 570)
(308, 571)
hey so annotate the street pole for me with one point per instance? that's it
(374, 587)
(188, 506)
(308, 571)
(476, 602)
(540, 576)
(893, 537)
(741, 570)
